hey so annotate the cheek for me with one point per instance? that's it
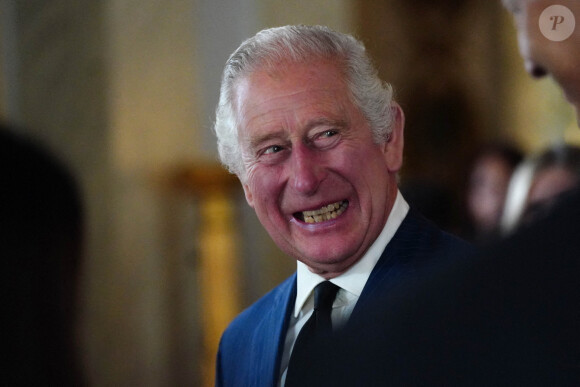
(263, 185)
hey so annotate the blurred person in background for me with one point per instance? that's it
(41, 217)
(539, 183)
(555, 51)
(556, 172)
(488, 182)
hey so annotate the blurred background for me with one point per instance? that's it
(125, 91)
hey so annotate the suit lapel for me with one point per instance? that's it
(270, 335)
(401, 254)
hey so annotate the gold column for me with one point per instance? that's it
(218, 259)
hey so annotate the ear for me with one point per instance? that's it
(393, 147)
(249, 196)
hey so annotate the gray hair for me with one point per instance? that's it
(301, 44)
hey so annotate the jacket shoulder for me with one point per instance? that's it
(276, 297)
(249, 347)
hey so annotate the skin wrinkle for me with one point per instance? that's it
(278, 138)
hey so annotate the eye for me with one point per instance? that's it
(326, 138)
(328, 133)
(272, 149)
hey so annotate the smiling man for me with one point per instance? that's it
(311, 167)
(317, 141)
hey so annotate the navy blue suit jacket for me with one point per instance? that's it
(251, 347)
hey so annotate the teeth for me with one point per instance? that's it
(331, 211)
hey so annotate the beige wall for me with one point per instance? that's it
(124, 91)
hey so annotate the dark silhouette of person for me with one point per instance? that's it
(41, 218)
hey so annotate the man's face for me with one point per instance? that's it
(318, 183)
(542, 56)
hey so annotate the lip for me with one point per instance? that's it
(569, 86)
(570, 97)
(315, 226)
(567, 95)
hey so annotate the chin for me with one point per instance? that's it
(336, 260)
(328, 269)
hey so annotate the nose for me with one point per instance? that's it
(535, 70)
(306, 172)
(527, 46)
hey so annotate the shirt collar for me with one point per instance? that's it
(355, 278)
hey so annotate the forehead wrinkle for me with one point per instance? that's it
(329, 112)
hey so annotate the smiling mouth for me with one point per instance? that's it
(328, 212)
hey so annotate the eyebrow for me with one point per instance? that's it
(280, 134)
(325, 122)
(256, 141)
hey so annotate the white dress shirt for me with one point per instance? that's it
(351, 284)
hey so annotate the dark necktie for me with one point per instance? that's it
(319, 324)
